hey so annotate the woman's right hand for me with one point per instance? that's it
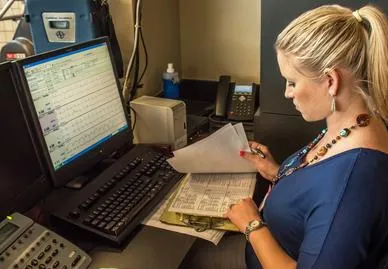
(267, 167)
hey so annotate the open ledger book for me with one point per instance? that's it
(218, 177)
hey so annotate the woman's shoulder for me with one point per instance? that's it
(372, 161)
(358, 165)
(353, 156)
(356, 162)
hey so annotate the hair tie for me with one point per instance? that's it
(357, 15)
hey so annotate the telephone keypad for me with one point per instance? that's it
(241, 107)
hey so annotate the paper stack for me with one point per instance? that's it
(217, 153)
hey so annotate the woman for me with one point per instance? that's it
(328, 207)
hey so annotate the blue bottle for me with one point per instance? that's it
(171, 81)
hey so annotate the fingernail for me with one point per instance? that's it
(242, 153)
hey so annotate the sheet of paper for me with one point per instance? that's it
(213, 236)
(211, 194)
(217, 153)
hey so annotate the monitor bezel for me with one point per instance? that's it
(91, 158)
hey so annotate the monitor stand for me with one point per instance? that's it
(80, 181)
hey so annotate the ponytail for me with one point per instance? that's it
(376, 24)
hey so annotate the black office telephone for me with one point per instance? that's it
(28, 245)
(234, 101)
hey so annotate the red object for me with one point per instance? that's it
(242, 153)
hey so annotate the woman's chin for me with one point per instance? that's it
(305, 116)
(308, 118)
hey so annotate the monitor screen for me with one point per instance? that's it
(21, 175)
(77, 104)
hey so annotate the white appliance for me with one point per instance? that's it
(159, 121)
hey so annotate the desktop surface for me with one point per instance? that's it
(151, 248)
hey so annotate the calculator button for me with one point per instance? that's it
(55, 252)
(48, 260)
(75, 262)
(56, 264)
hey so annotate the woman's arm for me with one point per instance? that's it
(268, 251)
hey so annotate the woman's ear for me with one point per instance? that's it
(332, 76)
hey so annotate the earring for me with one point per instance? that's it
(333, 105)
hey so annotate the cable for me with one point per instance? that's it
(135, 77)
(145, 55)
(135, 46)
(134, 120)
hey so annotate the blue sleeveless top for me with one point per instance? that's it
(331, 214)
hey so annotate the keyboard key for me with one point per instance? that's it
(110, 225)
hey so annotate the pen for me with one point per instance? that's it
(258, 152)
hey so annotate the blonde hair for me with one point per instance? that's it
(332, 36)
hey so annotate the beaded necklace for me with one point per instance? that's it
(362, 120)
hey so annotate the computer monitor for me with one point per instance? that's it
(74, 97)
(22, 178)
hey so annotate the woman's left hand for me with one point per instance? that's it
(242, 213)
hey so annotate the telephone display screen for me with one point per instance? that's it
(6, 231)
(243, 89)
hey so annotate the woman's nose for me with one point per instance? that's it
(288, 92)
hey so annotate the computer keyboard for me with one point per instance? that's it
(114, 203)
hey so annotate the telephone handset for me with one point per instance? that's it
(223, 89)
(236, 102)
(25, 244)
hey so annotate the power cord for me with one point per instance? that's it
(134, 120)
(135, 77)
(134, 64)
(134, 52)
(145, 55)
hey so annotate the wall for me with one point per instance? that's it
(122, 14)
(160, 25)
(203, 38)
(7, 28)
(220, 37)
(161, 34)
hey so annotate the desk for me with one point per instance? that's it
(150, 248)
